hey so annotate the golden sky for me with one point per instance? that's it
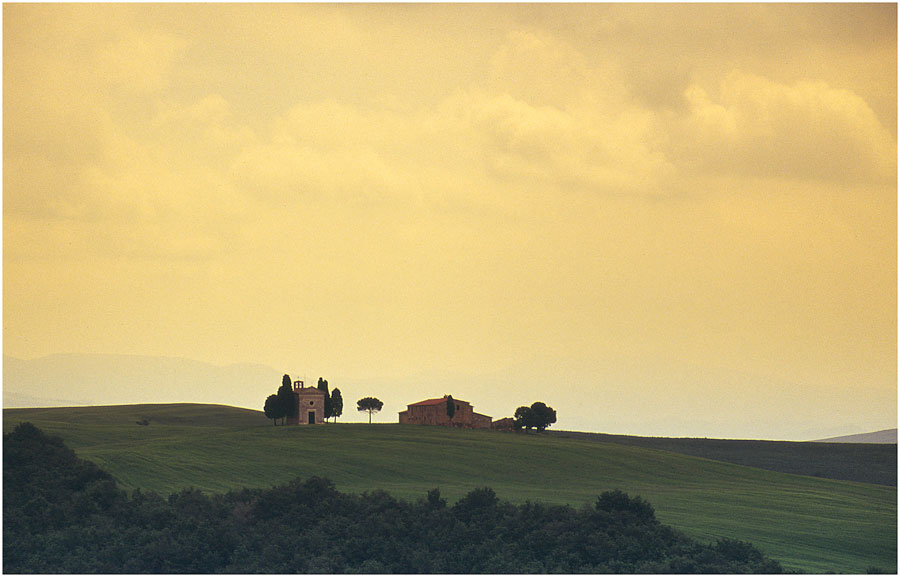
(658, 219)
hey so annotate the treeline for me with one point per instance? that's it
(65, 515)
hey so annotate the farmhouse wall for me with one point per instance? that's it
(480, 421)
(504, 424)
(434, 412)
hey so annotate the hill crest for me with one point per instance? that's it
(107, 379)
(885, 436)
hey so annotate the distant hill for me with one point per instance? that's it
(864, 463)
(80, 379)
(817, 525)
(885, 436)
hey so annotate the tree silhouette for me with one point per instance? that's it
(286, 398)
(272, 409)
(369, 405)
(337, 403)
(543, 415)
(524, 418)
(451, 407)
(434, 499)
(323, 386)
(538, 415)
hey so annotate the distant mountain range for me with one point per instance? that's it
(885, 436)
(85, 379)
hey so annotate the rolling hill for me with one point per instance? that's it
(886, 436)
(861, 462)
(80, 379)
(807, 523)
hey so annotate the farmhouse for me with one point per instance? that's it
(504, 424)
(434, 412)
(309, 405)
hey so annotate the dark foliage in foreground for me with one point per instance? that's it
(65, 515)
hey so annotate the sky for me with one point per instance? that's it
(666, 219)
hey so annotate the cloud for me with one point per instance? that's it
(325, 151)
(545, 70)
(546, 113)
(156, 189)
(139, 61)
(755, 127)
(77, 94)
(576, 148)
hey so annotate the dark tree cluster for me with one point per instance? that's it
(538, 416)
(65, 515)
(281, 404)
(334, 402)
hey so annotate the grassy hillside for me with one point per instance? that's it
(806, 523)
(861, 462)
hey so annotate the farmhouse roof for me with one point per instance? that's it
(431, 402)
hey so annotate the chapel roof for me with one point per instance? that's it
(308, 390)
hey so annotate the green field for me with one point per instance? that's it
(861, 462)
(811, 524)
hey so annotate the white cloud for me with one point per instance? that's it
(760, 128)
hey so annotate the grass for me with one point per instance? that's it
(862, 462)
(811, 524)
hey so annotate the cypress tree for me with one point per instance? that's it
(451, 407)
(337, 403)
(323, 386)
(286, 398)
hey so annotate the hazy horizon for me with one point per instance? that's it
(136, 379)
(670, 220)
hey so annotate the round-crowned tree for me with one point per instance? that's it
(524, 418)
(543, 415)
(369, 405)
(538, 415)
(272, 409)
